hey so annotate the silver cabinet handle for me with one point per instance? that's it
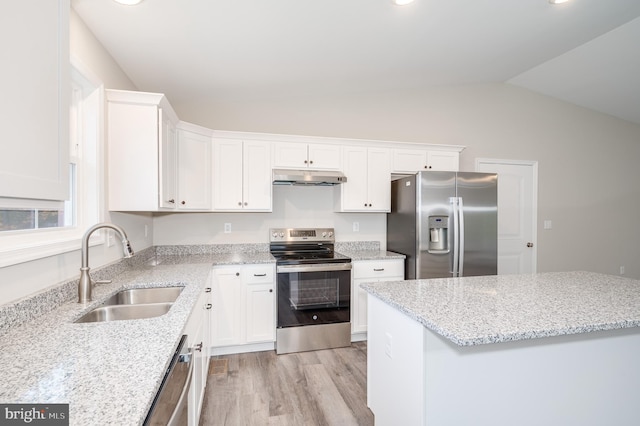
(378, 269)
(208, 306)
(207, 290)
(259, 275)
(172, 201)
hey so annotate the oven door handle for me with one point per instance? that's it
(320, 267)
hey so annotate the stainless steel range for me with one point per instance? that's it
(314, 290)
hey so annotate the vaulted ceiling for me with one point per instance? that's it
(584, 51)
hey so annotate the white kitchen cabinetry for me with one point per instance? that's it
(260, 304)
(155, 162)
(197, 330)
(194, 168)
(369, 271)
(142, 151)
(242, 175)
(292, 155)
(168, 154)
(368, 186)
(415, 160)
(244, 308)
(34, 82)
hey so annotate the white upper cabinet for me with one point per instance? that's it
(194, 168)
(294, 155)
(34, 82)
(415, 160)
(156, 163)
(368, 186)
(168, 162)
(242, 175)
(142, 151)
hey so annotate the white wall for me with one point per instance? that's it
(588, 169)
(293, 206)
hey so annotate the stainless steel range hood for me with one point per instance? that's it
(308, 177)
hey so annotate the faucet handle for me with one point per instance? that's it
(101, 282)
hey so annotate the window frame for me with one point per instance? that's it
(27, 245)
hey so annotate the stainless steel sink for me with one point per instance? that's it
(134, 303)
(125, 312)
(136, 296)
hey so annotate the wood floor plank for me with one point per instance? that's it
(316, 388)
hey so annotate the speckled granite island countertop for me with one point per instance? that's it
(539, 349)
(108, 372)
(491, 309)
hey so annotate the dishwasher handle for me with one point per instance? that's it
(175, 380)
(175, 419)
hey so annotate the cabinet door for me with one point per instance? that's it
(227, 174)
(326, 157)
(261, 305)
(168, 163)
(228, 310)
(194, 171)
(133, 156)
(379, 180)
(290, 155)
(443, 160)
(257, 177)
(354, 193)
(409, 160)
(370, 271)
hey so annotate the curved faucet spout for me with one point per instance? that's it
(85, 284)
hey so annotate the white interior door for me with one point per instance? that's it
(517, 207)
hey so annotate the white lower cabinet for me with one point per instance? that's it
(369, 271)
(197, 330)
(244, 307)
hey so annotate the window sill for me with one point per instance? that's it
(15, 249)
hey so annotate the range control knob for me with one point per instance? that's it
(324, 234)
(330, 234)
(274, 235)
(315, 317)
(282, 235)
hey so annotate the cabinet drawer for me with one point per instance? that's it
(378, 268)
(258, 274)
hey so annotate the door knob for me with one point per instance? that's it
(529, 244)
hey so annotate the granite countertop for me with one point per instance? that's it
(492, 309)
(107, 372)
(356, 255)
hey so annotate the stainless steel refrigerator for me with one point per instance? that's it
(446, 223)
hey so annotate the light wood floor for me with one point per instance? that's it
(325, 387)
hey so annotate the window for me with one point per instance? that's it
(30, 229)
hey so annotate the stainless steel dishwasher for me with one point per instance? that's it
(170, 406)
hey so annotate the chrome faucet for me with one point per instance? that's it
(85, 284)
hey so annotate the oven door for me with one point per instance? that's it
(313, 294)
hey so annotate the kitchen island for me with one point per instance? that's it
(553, 349)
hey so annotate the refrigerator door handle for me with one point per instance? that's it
(454, 240)
(460, 238)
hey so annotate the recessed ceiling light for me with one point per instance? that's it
(402, 2)
(128, 2)
(557, 1)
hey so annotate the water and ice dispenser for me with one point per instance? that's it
(438, 234)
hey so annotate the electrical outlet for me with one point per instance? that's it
(146, 231)
(227, 228)
(622, 270)
(110, 239)
(356, 226)
(548, 224)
